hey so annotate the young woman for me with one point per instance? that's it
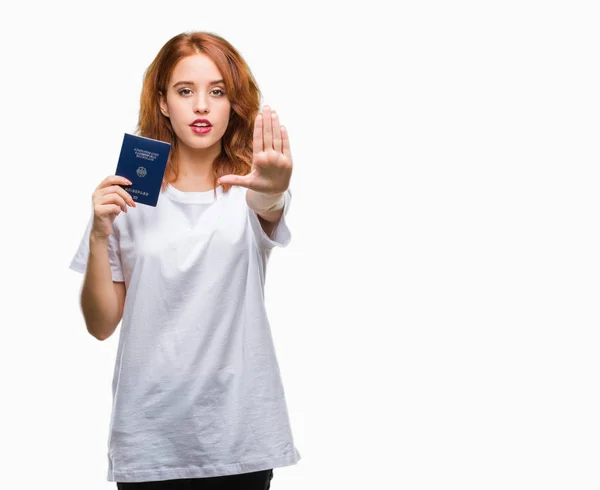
(198, 400)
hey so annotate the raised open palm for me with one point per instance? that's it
(271, 157)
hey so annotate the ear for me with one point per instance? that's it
(163, 104)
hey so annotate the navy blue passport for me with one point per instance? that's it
(143, 161)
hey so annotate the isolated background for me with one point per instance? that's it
(436, 313)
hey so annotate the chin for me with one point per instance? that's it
(199, 144)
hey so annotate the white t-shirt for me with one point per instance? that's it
(197, 390)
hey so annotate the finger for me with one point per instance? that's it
(276, 132)
(285, 142)
(240, 180)
(113, 179)
(267, 128)
(106, 209)
(117, 190)
(257, 141)
(113, 198)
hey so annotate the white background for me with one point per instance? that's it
(436, 313)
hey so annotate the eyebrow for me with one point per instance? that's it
(192, 83)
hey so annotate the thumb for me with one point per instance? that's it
(234, 180)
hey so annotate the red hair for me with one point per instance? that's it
(240, 86)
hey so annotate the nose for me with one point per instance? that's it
(201, 105)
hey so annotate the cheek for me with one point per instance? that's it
(177, 112)
(178, 109)
(226, 117)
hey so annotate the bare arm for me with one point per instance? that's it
(102, 299)
(268, 208)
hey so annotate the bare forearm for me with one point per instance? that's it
(99, 301)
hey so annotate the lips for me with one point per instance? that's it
(201, 129)
(198, 121)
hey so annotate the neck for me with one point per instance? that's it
(195, 168)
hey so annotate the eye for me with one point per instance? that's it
(219, 90)
(183, 90)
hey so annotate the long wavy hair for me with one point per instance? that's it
(242, 91)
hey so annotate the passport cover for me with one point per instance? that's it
(143, 161)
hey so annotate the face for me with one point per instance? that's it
(191, 95)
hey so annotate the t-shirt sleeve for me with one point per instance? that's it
(281, 235)
(79, 261)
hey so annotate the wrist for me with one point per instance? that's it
(261, 202)
(97, 240)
